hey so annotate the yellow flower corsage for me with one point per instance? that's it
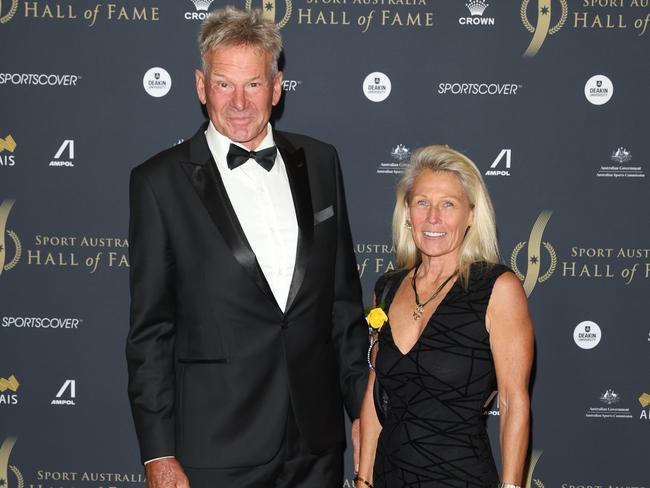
(376, 318)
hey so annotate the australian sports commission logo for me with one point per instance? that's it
(535, 273)
(7, 261)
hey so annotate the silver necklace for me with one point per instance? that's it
(419, 307)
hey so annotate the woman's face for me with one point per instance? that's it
(440, 213)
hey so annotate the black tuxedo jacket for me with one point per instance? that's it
(214, 363)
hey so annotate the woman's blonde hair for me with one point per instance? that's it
(480, 242)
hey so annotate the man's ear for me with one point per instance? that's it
(277, 88)
(200, 85)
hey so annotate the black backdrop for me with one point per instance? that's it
(512, 86)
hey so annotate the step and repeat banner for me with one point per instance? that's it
(550, 98)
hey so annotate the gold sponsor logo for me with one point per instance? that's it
(8, 264)
(532, 482)
(533, 246)
(644, 400)
(10, 384)
(8, 143)
(11, 11)
(270, 11)
(543, 26)
(5, 467)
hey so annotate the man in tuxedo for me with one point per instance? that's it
(247, 337)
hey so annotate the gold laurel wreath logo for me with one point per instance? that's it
(534, 246)
(551, 269)
(18, 475)
(19, 251)
(5, 209)
(543, 26)
(9, 15)
(530, 28)
(5, 453)
(532, 464)
(270, 5)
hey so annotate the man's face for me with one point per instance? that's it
(239, 92)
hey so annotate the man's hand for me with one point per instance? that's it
(166, 473)
(356, 442)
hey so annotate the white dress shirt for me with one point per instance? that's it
(264, 206)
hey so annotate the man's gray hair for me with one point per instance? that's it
(231, 26)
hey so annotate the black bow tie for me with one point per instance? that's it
(238, 156)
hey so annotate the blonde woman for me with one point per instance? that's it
(458, 327)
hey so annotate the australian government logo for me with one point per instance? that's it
(398, 162)
(610, 407)
(621, 165)
(538, 270)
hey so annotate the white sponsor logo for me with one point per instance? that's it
(290, 85)
(476, 9)
(587, 334)
(478, 88)
(377, 87)
(621, 166)
(68, 147)
(40, 322)
(599, 90)
(506, 156)
(157, 82)
(71, 387)
(400, 155)
(36, 79)
(201, 10)
(494, 397)
(612, 411)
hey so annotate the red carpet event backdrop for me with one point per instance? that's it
(550, 98)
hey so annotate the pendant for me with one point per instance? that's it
(417, 313)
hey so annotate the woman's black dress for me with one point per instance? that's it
(434, 432)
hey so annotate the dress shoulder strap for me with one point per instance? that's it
(386, 282)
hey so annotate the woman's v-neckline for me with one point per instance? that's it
(426, 326)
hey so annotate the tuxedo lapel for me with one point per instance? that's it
(206, 180)
(294, 161)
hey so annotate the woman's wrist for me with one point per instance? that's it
(362, 482)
